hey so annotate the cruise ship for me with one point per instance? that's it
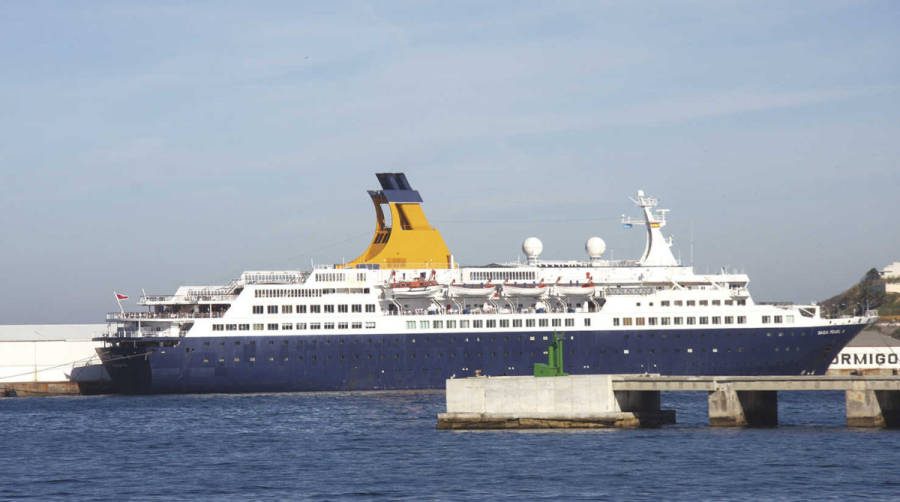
(405, 315)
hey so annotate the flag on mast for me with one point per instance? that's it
(119, 298)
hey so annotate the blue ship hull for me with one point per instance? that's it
(424, 361)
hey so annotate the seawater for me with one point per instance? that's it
(363, 446)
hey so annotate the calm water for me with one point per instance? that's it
(385, 446)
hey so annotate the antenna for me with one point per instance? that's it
(692, 243)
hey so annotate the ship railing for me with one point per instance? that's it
(478, 312)
(127, 316)
(153, 299)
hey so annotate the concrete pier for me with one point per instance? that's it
(38, 389)
(873, 408)
(634, 400)
(578, 401)
(734, 408)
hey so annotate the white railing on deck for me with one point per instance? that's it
(127, 316)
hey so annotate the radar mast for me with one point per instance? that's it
(656, 250)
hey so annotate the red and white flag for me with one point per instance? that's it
(121, 297)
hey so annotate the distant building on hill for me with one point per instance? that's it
(891, 275)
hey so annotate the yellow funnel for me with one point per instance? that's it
(410, 242)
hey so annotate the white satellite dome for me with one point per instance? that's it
(595, 247)
(532, 247)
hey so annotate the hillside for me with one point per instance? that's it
(868, 291)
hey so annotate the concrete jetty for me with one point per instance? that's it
(575, 401)
(634, 400)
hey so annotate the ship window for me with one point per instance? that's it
(329, 309)
(342, 309)
(704, 302)
(766, 319)
(543, 323)
(438, 324)
(529, 323)
(504, 323)
(301, 309)
(678, 303)
(231, 327)
(258, 309)
(272, 327)
(717, 302)
(716, 320)
(329, 325)
(237, 359)
(287, 309)
(651, 321)
(370, 325)
(244, 327)
(704, 320)
(342, 325)
(626, 321)
(490, 323)
(729, 319)
(477, 323)
(258, 327)
(729, 302)
(742, 319)
(615, 321)
(218, 327)
(451, 324)
(691, 303)
(272, 309)
(315, 325)
(678, 320)
(664, 303)
(778, 319)
(287, 326)
(664, 321)
(410, 324)
(423, 324)
(315, 309)
(357, 308)
(692, 320)
(587, 322)
(517, 323)
(301, 325)
(463, 324)
(370, 307)
(638, 321)
(742, 302)
(789, 319)
(358, 325)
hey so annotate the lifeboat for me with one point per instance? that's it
(416, 288)
(529, 290)
(577, 289)
(471, 290)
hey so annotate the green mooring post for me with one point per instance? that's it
(554, 366)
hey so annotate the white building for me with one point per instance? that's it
(890, 272)
(46, 352)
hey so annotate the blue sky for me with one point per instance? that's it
(153, 144)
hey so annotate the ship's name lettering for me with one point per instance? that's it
(828, 332)
(867, 358)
